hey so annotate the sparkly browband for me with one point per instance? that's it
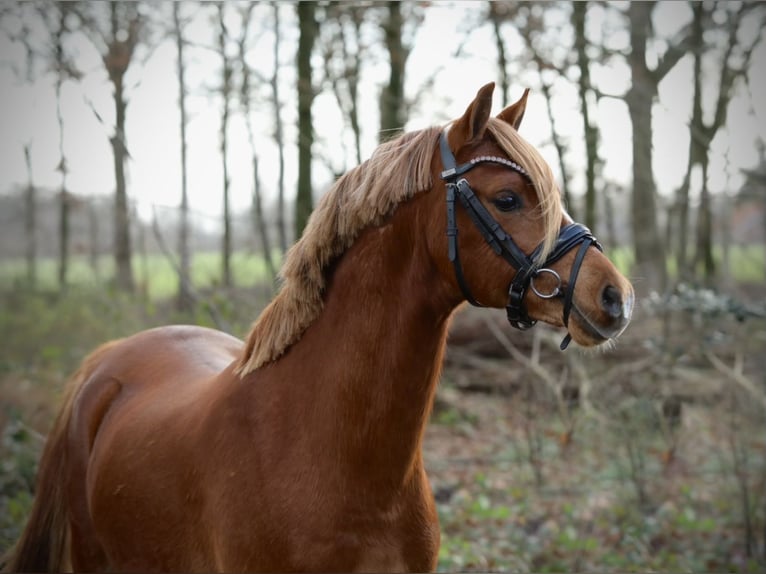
(495, 159)
(473, 162)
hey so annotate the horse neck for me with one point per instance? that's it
(374, 355)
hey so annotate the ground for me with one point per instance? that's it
(648, 456)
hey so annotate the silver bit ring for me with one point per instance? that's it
(556, 290)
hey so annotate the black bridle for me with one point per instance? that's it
(527, 266)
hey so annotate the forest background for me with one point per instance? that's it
(157, 159)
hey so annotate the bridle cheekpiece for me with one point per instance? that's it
(528, 267)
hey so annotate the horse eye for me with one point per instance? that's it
(507, 202)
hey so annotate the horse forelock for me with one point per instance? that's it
(541, 175)
(361, 197)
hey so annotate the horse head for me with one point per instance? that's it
(509, 242)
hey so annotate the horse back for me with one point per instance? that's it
(134, 445)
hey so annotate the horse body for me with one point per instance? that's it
(331, 477)
(180, 448)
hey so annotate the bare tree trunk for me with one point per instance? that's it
(704, 253)
(609, 214)
(184, 300)
(496, 12)
(94, 240)
(143, 285)
(62, 167)
(30, 221)
(279, 136)
(54, 17)
(352, 78)
(649, 252)
(725, 218)
(591, 132)
(681, 211)
(763, 239)
(345, 82)
(650, 255)
(560, 150)
(682, 199)
(308, 32)
(117, 42)
(226, 94)
(392, 108)
(117, 60)
(122, 248)
(258, 219)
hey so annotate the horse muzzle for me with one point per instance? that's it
(609, 321)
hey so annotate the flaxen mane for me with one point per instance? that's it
(362, 197)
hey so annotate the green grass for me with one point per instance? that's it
(154, 274)
(157, 278)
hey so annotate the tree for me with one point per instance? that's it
(125, 23)
(184, 299)
(30, 221)
(117, 41)
(498, 12)
(226, 89)
(393, 113)
(649, 253)
(279, 134)
(702, 133)
(591, 132)
(308, 29)
(245, 96)
(56, 21)
(343, 62)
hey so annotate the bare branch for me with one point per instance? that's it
(547, 377)
(736, 375)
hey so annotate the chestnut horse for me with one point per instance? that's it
(181, 448)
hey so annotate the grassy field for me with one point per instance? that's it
(156, 277)
(154, 274)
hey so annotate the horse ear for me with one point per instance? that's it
(472, 124)
(514, 113)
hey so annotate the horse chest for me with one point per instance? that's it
(305, 526)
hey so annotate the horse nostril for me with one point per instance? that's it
(611, 301)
